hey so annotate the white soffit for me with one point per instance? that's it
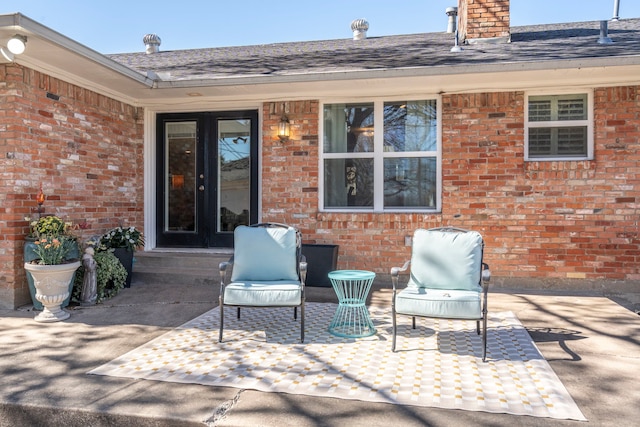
(52, 53)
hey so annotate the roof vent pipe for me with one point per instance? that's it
(452, 13)
(604, 33)
(359, 28)
(616, 10)
(152, 43)
(456, 47)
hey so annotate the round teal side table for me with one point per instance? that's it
(352, 318)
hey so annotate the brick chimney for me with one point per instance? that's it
(484, 21)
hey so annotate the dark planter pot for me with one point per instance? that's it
(321, 260)
(126, 259)
(30, 255)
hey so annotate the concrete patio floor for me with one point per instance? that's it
(592, 343)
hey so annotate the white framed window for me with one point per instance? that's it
(559, 126)
(381, 156)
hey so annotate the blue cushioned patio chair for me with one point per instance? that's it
(448, 279)
(267, 270)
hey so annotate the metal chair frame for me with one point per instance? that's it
(301, 266)
(484, 283)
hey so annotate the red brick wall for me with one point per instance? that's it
(540, 220)
(574, 219)
(544, 220)
(483, 19)
(86, 151)
(290, 169)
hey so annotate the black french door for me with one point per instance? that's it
(207, 179)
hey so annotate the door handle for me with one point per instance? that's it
(201, 188)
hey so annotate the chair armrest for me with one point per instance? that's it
(223, 270)
(486, 276)
(303, 272)
(395, 271)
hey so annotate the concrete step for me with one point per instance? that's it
(179, 266)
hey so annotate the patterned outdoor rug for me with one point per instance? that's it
(262, 352)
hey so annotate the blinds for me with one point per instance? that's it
(558, 108)
(558, 125)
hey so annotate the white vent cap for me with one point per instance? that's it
(152, 43)
(359, 28)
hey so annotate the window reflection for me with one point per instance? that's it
(404, 155)
(409, 182)
(348, 182)
(180, 199)
(410, 126)
(234, 181)
(348, 128)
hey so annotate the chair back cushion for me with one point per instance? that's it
(446, 260)
(264, 254)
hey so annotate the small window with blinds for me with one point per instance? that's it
(559, 127)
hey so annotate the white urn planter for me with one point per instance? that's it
(52, 288)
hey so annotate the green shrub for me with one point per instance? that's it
(110, 273)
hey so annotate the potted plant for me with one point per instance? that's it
(124, 241)
(51, 260)
(49, 225)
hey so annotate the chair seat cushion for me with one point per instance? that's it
(263, 293)
(447, 304)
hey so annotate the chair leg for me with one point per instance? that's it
(221, 322)
(478, 327)
(413, 322)
(301, 322)
(393, 341)
(484, 338)
(238, 312)
(295, 313)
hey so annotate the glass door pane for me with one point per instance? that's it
(180, 179)
(234, 173)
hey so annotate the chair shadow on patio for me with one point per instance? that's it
(560, 335)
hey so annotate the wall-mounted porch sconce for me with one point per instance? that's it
(284, 129)
(17, 44)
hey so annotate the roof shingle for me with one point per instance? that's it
(536, 43)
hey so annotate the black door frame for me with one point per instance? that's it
(207, 211)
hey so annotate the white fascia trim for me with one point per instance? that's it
(194, 105)
(404, 72)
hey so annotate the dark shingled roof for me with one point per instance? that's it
(535, 43)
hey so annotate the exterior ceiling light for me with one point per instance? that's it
(17, 44)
